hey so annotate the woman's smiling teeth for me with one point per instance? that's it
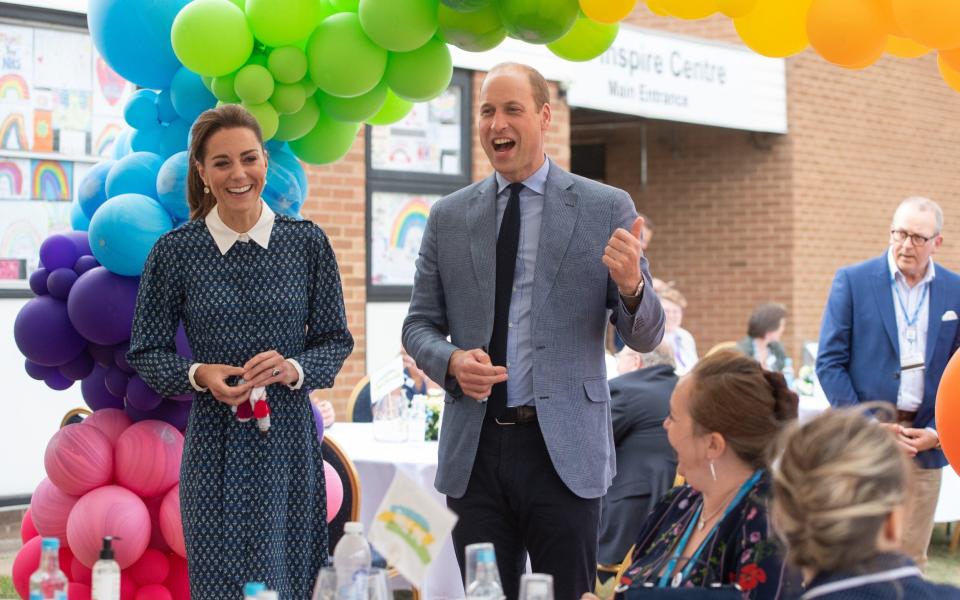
(240, 190)
(501, 144)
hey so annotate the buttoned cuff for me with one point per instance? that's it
(299, 382)
(192, 375)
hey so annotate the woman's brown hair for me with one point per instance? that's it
(734, 396)
(228, 116)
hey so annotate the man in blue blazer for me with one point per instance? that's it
(514, 282)
(888, 330)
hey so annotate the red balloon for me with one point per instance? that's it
(26, 562)
(948, 411)
(148, 456)
(156, 534)
(153, 567)
(79, 572)
(128, 589)
(49, 508)
(178, 582)
(171, 524)
(153, 591)
(79, 458)
(27, 529)
(78, 591)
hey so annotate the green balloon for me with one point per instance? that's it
(211, 37)
(257, 58)
(327, 142)
(254, 84)
(394, 109)
(399, 25)
(420, 75)
(538, 21)
(282, 22)
(586, 40)
(356, 109)
(299, 123)
(288, 98)
(223, 88)
(476, 31)
(287, 64)
(467, 5)
(343, 61)
(207, 82)
(340, 6)
(266, 116)
(309, 87)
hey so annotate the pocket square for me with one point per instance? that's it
(949, 316)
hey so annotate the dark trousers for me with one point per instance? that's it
(516, 500)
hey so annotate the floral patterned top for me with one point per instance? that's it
(742, 551)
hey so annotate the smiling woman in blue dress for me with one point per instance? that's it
(260, 298)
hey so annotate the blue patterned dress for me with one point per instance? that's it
(253, 505)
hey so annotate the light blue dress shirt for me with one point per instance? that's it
(520, 332)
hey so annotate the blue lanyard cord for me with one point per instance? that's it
(903, 307)
(682, 544)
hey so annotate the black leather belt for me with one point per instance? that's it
(517, 415)
(906, 416)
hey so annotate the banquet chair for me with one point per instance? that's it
(350, 509)
(359, 409)
(721, 346)
(74, 415)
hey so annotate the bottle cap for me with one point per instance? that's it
(268, 595)
(50, 543)
(106, 551)
(353, 527)
(252, 588)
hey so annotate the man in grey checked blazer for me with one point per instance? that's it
(530, 478)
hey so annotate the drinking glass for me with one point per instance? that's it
(536, 586)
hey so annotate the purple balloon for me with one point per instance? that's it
(85, 263)
(96, 394)
(38, 282)
(120, 358)
(81, 242)
(141, 396)
(44, 334)
(175, 413)
(60, 281)
(181, 342)
(116, 381)
(318, 421)
(181, 398)
(79, 367)
(102, 304)
(58, 382)
(102, 354)
(58, 251)
(38, 372)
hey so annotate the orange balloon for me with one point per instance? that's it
(849, 33)
(948, 396)
(658, 7)
(607, 11)
(952, 77)
(933, 23)
(952, 58)
(735, 8)
(776, 28)
(885, 10)
(904, 47)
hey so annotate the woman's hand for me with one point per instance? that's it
(214, 377)
(326, 412)
(269, 367)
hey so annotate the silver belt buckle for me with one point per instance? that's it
(499, 422)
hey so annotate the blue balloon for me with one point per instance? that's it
(148, 140)
(189, 96)
(285, 158)
(121, 145)
(93, 189)
(124, 230)
(141, 110)
(78, 220)
(165, 109)
(282, 191)
(174, 137)
(172, 187)
(134, 38)
(134, 174)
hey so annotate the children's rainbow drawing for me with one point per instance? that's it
(11, 179)
(13, 87)
(13, 135)
(411, 527)
(51, 180)
(413, 216)
(108, 135)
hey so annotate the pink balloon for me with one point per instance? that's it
(170, 521)
(128, 589)
(153, 591)
(148, 457)
(111, 421)
(78, 591)
(153, 567)
(156, 535)
(109, 510)
(26, 562)
(28, 530)
(178, 582)
(334, 490)
(49, 509)
(80, 572)
(79, 458)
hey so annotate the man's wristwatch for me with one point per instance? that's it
(637, 292)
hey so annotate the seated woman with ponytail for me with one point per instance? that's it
(724, 418)
(838, 503)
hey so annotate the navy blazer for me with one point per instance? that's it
(890, 577)
(859, 358)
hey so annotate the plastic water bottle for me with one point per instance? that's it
(49, 582)
(788, 372)
(417, 419)
(252, 588)
(106, 574)
(486, 582)
(352, 559)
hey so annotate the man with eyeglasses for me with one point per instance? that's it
(888, 330)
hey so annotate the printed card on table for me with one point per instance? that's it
(409, 528)
(387, 378)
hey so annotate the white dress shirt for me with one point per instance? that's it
(909, 304)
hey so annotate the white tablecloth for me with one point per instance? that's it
(377, 462)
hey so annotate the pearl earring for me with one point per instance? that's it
(206, 190)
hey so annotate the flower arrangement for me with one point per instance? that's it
(434, 408)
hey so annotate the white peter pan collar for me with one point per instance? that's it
(225, 237)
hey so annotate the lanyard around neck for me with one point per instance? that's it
(682, 544)
(911, 321)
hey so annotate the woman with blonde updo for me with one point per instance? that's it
(838, 505)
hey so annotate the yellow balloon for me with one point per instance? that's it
(849, 33)
(658, 7)
(905, 47)
(607, 11)
(951, 58)
(933, 23)
(776, 28)
(950, 75)
(736, 8)
(690, 9)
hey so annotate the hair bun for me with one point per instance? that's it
(785, 400)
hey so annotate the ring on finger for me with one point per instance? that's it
(275, 372)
